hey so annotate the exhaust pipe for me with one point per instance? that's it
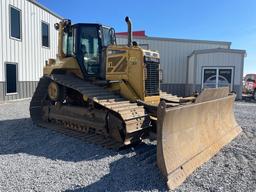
(129, 24)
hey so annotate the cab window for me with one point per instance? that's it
(89, 48)
(108, 36)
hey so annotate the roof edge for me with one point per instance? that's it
(45, 8)
(179, 40)
(222, 50)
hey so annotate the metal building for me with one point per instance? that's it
(175, 55)
(211, 68)
(28, 39)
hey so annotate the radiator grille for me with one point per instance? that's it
(152, 82)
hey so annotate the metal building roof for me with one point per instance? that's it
(178, 40)
(45, 8)
(218, 50)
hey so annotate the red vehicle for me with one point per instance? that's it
(249, 85)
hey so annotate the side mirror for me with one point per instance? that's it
(113, 36)
(100, 34)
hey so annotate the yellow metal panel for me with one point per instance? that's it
(68, 63)
(152, 99)
(127, 91)
(131, 72)
(190, 135)
(136, 71)
(116, 56)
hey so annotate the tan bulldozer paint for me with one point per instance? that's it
(190, 135)
(132, 74)
(68, 64)
(53, 91)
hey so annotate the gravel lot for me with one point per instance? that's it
(37, 159)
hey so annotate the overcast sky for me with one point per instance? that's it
(226, 20)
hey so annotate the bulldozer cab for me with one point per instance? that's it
(87, 43)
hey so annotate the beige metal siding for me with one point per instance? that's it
(27, 53)
(174, 54)
(191, 69)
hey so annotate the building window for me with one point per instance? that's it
(11, 78)
(210, 78)
(45, 34)
(217, 77)
(15, 23)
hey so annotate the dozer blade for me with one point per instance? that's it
(191, 134)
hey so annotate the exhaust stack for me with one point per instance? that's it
(129, 24)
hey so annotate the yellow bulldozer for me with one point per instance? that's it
(111, 95)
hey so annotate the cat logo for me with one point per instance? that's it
(133, 60)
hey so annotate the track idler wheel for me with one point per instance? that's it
(55, 92)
